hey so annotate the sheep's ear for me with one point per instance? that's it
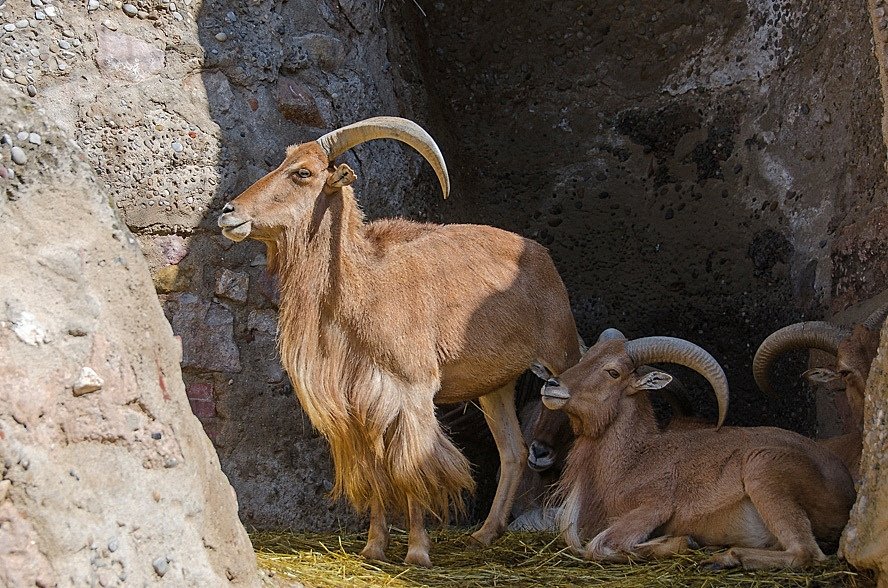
(540, 371)
(342, 176)
(820, 375)
(652, 381)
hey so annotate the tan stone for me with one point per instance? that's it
(865, 541)
(121, 461)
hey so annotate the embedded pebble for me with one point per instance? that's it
(34, 139)
(221, 37)
(130, 10)
(36, 2)
(68, 33)
(62, 65)
(8, 73)
(230, 16)
(21, 135)
(160, 565)
(92, 5)
(32, 90)
(9, 27)
(177, 147)
(89, 381)
(109, 24)
(19, 156)
(5, 139)
(64, 44)
(51, 11)
(40, 15)
(20, 24)
(113, 544)
(20, 79)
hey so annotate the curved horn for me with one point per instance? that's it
(337, 142)
(673, 350)
(608, 334)
(806, 335)
(877, 318)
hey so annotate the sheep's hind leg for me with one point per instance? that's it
(773, 498)
(499, 412)
(377, 535)
(418, 541)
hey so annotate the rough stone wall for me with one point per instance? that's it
(179, 105)
(106, 478)
(865, 541)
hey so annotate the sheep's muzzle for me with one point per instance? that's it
(234, 228)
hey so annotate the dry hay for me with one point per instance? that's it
(518, 559)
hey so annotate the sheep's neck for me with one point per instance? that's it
(608, 448)
(320, 257)
(317, 260)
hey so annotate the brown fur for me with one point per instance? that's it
(381, 320)
(767, 492)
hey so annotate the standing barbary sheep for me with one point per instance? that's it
(380, 320)
(768, 493)
(854, 349)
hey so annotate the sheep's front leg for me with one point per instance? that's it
(377, 535)
(499, 412)
(418, 541)
(621, 541)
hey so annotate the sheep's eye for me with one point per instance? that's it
(552, 382)
(613, 373)
(302, 173)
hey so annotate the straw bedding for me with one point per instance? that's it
(517, 559)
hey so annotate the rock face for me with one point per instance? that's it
(107, 477)
(861, 253)
(865, 541)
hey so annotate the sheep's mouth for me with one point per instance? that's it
(235, 229)
(554, 398)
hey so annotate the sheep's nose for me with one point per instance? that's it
(538, 450)
(228, 208)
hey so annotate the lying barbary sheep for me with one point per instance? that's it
(379, 321)
(551, 435)
(854, 350)
(631, 490)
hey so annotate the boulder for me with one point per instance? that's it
(865, 540)
(106, 476)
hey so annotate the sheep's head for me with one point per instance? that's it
(854, 350)
(591, 391)
(288, 193)
(854, 356)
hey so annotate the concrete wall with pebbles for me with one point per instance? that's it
(181, 104)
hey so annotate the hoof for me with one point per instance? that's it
(722, 561)
(418, 558)
(373, 553)
(485, 538)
